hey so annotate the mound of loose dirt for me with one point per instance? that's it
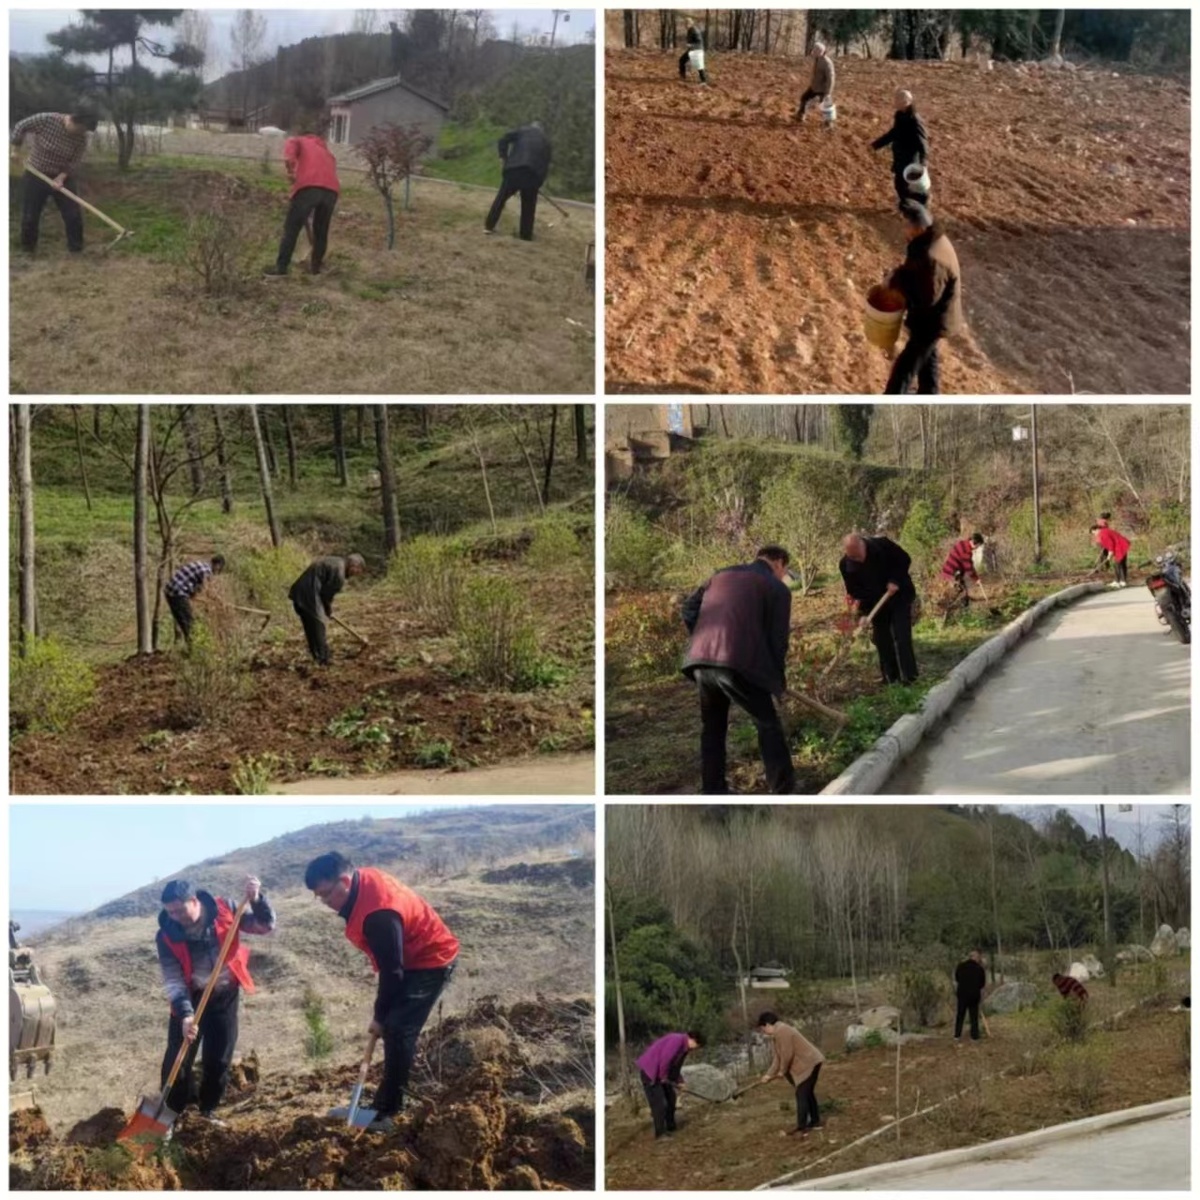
(101, 1129)
(577, 872)
(467, 1129)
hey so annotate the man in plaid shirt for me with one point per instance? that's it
(59, 142)
(186, 583)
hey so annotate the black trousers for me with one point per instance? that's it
(918, 359)
(661, 1098)
(181, 610)
(1121, 568)
(891, 631)
(216, 1044)
(320, 203)
(512, 181)
(683, 65)
(808, 1113)
(401, 1030)
(808, 97)
(34, 194)
(719, 688)
(967, 1004)
(314, 633)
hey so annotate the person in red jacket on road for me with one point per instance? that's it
(1115, 546)
(313, 171)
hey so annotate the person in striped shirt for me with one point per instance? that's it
(187, 583)
(59, 143)
(1070, 988)
(960, 562)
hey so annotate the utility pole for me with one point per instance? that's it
(1037, 508)
(995, 907)
(1108, 961)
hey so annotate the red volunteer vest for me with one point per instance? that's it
(427, 942)
(238, 961)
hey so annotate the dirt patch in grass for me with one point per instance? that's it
(740, 244)
(449, 310)
(741, 1144)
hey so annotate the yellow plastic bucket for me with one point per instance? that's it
(883, 314)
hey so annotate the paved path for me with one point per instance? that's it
(1095, 701)
(557, 775)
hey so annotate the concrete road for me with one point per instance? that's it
(1095, 701)
(1151, 1156)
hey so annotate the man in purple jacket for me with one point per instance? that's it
(740, 621)
(661, 1065)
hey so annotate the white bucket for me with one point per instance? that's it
(828, 111)
(696, 58)
(917, 179)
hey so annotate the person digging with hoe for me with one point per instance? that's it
(184, 586)
(191, 930)
(312, 170)
(312, 598)
(59, 143)
(796, 1059)
(525, 154)
(875, 570)
(740, 622)
(661, 1070)
(1114, 546)
(409, 948)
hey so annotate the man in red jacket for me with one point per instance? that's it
(313, 171)
(1115, 546)
(409, 948)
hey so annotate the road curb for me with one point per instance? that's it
(1023, 1141)
(870, 771)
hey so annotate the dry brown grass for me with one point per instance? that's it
(448, 311)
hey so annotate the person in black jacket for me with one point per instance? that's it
(969, 981)
(525, 153)
(312, 598)
(871, 568)
(909, 143)
(694, 53)
(739, 622)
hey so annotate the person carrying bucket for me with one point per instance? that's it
(694, 54)
(910, 145)
(820, 86)
(930, 282)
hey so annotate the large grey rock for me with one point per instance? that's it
(1010, 997)
(1165, 944)
(857, 1035)
(1134, 954)
(1095, 968)
(1183, 938)
(1080, 972)
(709, 1082)
(882, 1016)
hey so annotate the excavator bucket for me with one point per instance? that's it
(31, 1013)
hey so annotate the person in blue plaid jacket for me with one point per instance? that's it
(187, 583)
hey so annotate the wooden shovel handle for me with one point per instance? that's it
(208, 990)
(78, 199)
(352, 632)
(366, 1062)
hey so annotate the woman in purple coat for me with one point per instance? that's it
(661, 1065)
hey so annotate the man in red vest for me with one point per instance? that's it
(191, 931)
(409, 948)
(1115, 546)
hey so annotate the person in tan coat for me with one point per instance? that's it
(797, 1060)
(930, 281)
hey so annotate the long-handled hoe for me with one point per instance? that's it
(122, 232)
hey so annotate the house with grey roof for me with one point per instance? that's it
(384, 102)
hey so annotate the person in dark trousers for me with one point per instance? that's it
(1115, 546)
(184, 586)
(969, 981)
(661, 1069)
(739, 622)
(909, 142)
(694, 54)
(959, 566)
(312, 598)
(1069, 988)
(59, 143)
(820, 86)
(191, 931)
(930, 281)
(525, 153)
(797, 1060)
(312, 169)
(409, 948)
(871, 568)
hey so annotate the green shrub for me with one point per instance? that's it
(429, 574)
(874, 1039)
(438, 753)
(1078, 1073)
(267, 575)
(252, 776)
(922, 994)
(923, 536)
(212, 679)
(318, 1041)
(636, 554)
(1069, 1020)
(554, 544)
(1153, 979)
(50, 687)
(496, 634)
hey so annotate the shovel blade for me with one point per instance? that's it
(148, 1126)
(359, 1119)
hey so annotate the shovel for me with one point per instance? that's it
(356, 1095)
(122, 232)
(152, 1121)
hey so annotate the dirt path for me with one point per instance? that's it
(562, 775)
(1096, 701)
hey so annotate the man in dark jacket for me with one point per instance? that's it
(908, 140)
(739, 622)
(312, 598)
(820, 86)
(191, 930)
(694, 54)
(874, 567)
(930, 281)
(969, 981)
(525, 153)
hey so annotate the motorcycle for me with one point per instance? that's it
(1172, 596)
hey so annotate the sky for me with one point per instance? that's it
(285, 27)
(74, 857)
(1122, 827)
